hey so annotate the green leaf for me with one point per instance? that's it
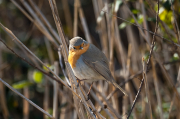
(140, 19)
(135, 11)
(166, 16)
(37, 76)
(151, 19)
(175, 57)
(132, 20)
(122, 25)
(48, 65)
(22, 84)
(166, 106)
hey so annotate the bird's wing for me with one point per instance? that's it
(95, 59)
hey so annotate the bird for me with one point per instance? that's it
(89, 63)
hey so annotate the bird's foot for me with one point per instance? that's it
(78, 81)
(88, 96)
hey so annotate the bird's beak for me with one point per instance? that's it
(81, 48)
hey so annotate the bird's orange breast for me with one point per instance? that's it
(74, 55)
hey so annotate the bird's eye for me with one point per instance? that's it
(74, 48)
(82, 45)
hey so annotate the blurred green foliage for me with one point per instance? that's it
(37, 76)
(22, 84)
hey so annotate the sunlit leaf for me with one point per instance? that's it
(122, 25)
(140, 19)
(166, 16)
(48, 65)
(135, 11)
(175, 57)
(132, 20)
(22, 84)
(37, 76)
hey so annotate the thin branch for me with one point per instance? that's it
(57, 20)
(99, 102)
(177, 27)
(148, 61)
(47, 74)
(75, 27)
(44, 19)
(15, 38)
(55, 94)
(145, 30)
(166, 28)
(32, 103)
(140, 30)
(108, 104)
(40, 24)
(123, 83)
(25, 103)
(84, 24)
(157, 89)
(147, 88)
(134, 102)
(62, 66)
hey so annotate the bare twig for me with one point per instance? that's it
(177, 27)
(156, 84)
(2, 89)
(41, 70)
(46, 96)
(40, 24)
(62, 66)
(15, 38)
(55, 95)
(99, 102)
(84, 24)
(44, 19)
(146, 30)
(148, 61)
(36, 106)
(140, 30)
(144, 19)
(26, 104)
(108, 104)
(147, 88)
(65, 54)
(123, 83)
(3, 102)
(76, 7)
(68, 17)
(167, 29)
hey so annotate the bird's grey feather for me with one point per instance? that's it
(76, 41)
(97, 61)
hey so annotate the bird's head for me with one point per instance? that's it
(78, 45)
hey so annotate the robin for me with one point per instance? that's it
(89, 63)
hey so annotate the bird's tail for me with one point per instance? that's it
(117, 86)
